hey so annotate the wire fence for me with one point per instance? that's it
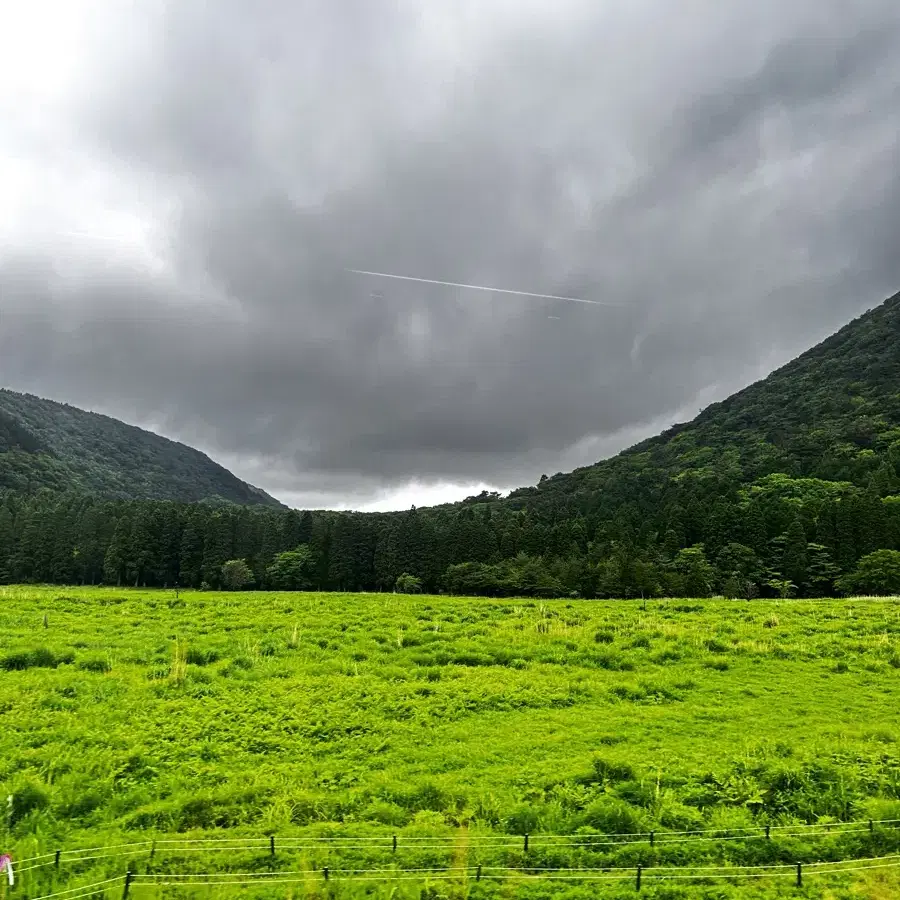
(271, 846)
(481, 841)
(640, 876)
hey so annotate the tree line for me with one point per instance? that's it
(781, 536)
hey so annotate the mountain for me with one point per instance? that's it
(789, 487)
(44, 444)
(832, 414)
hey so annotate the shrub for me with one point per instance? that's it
(82, 806)
(522, 820)
(27, 799)
(387, 814)
(100, 664)
(202, 656)
(612, 816)
(40, 658)
(610, 771)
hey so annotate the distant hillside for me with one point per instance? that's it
(833, 414)
(790, 487)
(44, 444)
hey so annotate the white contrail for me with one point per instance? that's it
(480, 287)
(95, 237)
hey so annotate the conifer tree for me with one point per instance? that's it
(794, 561)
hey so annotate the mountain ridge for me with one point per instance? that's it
(789, 487)
(48, 444)
(804, 432)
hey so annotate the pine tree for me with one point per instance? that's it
(270, 539)
(694, 522)
(871, 525)
(322, 541)
(305, 528)
(826, 534)
(719, 530)
(170, 545)
(115, 562)
(884, 480)
(794, 560)
(191, 551)
(845, 519)
(7, 543)
(755, 535)
(218, 546)
(352, 564)
(143, 561)
(672, 543)
(388, 566)
(821, 571)
(411, 545)
(291, 536)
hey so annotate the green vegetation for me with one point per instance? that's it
(785, 537)
(47, 445)
(789, 488)
(833, 414)
(133, 715)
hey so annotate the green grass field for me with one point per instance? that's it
(458, 725)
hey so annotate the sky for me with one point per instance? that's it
(185, 184)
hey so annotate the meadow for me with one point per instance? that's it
(378, 739)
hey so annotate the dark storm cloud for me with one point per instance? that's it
(728, 171)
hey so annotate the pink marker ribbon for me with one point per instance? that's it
(6, 863)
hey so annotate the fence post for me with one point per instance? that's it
(56, 859)
(272, 844)
(152, 851)
(395, 843)
(638, 883)
(526, 843)
(478, 874)
(871, 826)
(127, 885)
(652, 838)
(768, 832)
(325, 872)
(799, 874)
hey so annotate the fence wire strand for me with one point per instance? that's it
(176, 846)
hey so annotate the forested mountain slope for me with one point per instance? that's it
(833, 413)
(791, 486)
(51, 445)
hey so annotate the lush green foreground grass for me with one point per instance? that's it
(132, 715)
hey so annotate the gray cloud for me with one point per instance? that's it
(728, 171)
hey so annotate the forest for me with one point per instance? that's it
(790, 487)
(49, 445)
(779, 537)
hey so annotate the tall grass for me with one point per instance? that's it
(132, 716)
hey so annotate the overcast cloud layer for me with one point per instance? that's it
(727, 172)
